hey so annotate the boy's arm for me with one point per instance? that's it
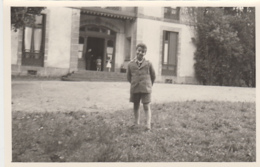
(129, 76)
(152, 73)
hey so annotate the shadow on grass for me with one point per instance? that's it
(181, 132)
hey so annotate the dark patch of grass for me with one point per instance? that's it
(181, 132)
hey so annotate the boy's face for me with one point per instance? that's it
(140, 53)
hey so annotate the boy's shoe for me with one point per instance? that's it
(148, 129)
(135, 126)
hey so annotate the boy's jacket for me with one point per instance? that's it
(141, 78)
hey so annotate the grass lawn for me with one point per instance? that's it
(188, 131)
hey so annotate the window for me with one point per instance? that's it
(172, 13)
(169, 58)
(102, 30)
(128, 49)
(81, 47)
(110, 50)
(81, 57)
(33, 42)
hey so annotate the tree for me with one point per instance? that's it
(21, 16)
(224, 38)
(244, 23)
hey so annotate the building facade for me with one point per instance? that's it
(65, 40)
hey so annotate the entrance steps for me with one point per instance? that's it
(96, 76)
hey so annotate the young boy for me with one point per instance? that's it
(141, 75)
(98, 61)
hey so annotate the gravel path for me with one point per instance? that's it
(111, 96)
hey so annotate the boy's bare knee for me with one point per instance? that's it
(136, 105)
(146, 106)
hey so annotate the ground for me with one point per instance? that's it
(52, 121)
(111, 96)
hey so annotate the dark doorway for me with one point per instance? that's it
(95, 50)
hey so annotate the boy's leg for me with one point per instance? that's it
(148, 114)
(137, 113)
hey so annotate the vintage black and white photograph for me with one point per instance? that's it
(161, 83)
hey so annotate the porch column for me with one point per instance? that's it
(120, 55)
(74, 39)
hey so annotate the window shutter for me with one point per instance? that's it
(173, 48)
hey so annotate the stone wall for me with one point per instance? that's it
(58, 44)
(150, 27)
(59, 47)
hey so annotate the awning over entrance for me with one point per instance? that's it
(108, 13)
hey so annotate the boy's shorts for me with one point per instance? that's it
(137, 97)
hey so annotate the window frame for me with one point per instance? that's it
(168, 68)
(168, 15)
(32, 58)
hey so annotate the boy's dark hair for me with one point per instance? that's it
(143, 46)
